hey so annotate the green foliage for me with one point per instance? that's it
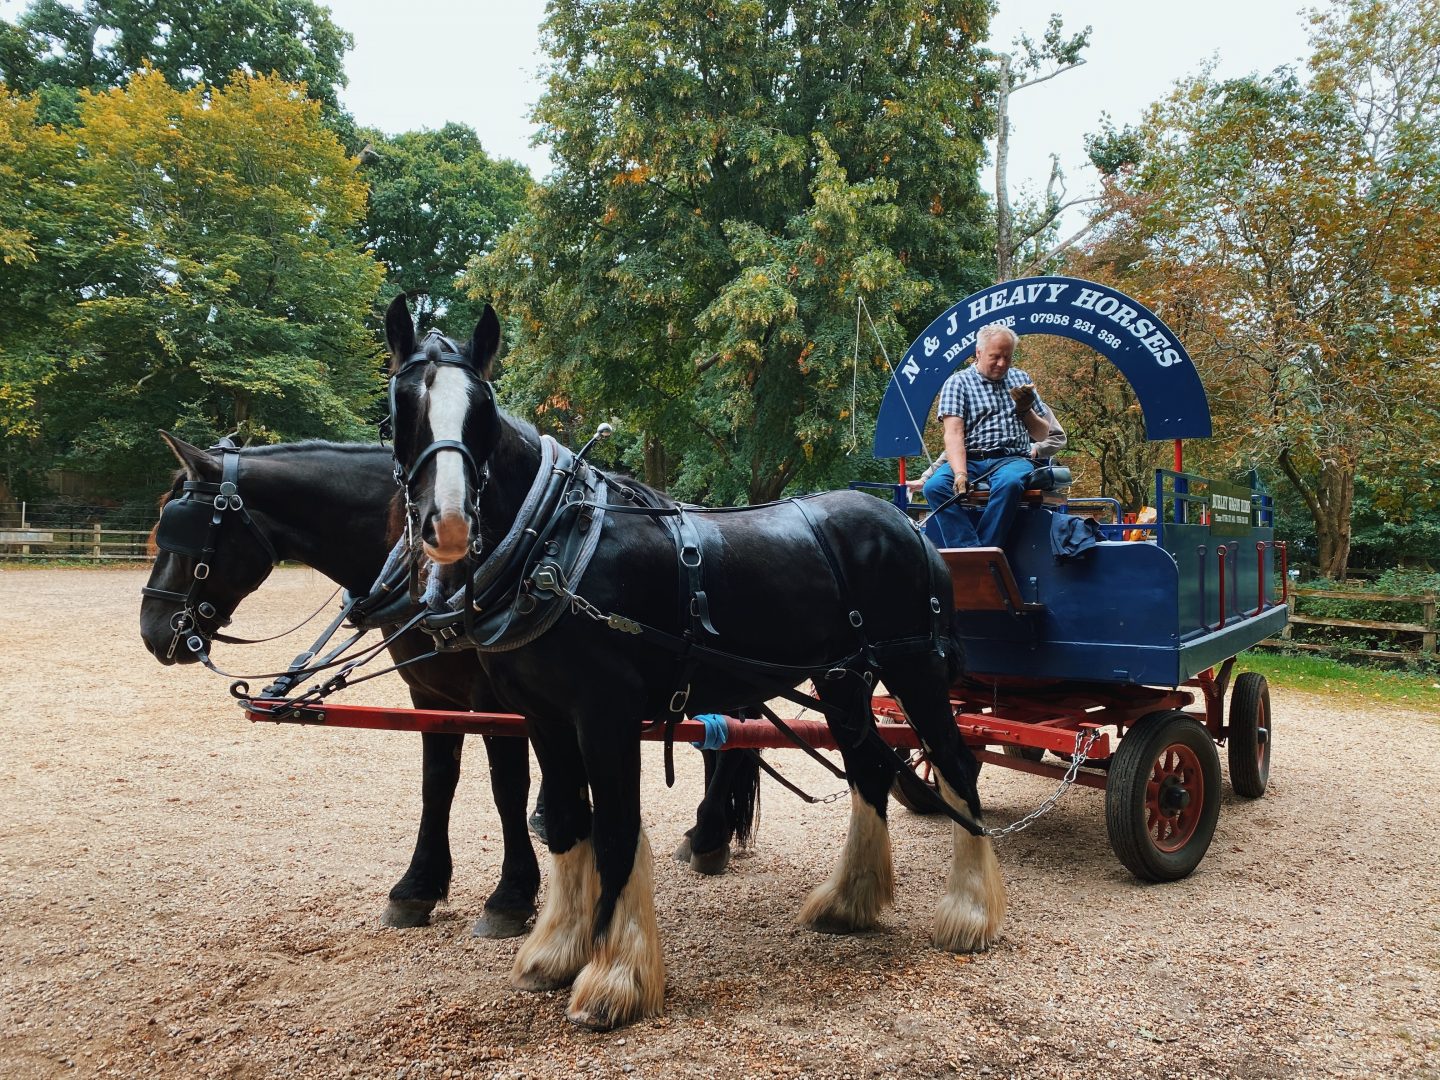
(1110, 149)
(1053, 50)
(729, 179)
(1289, 232)
(437, 200)
(192, 269)
(96, 45)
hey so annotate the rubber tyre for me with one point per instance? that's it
(1249, 740)
(1162, 798)
(918, 761)
(1029, 753)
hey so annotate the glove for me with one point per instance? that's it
(1024, 397)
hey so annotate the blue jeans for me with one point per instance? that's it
(954, 524)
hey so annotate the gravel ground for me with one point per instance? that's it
(188, 895)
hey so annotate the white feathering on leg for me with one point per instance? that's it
(968, 916)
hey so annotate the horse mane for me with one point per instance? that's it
(310, 446)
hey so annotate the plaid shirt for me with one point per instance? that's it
(987, 410)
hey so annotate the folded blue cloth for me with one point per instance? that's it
(1071, 536)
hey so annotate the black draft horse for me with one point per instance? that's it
(801, 583)
(329, 506)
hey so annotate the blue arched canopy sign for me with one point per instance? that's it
(1123, 330)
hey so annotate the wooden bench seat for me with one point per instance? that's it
(981, 580)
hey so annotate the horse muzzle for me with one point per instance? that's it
(451, 541)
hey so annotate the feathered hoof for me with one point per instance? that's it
(537, 981)
(608, 997)
(829, 911)
(964, 926)
(403, 914)
(495, 924)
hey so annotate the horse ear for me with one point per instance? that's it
(485, 342)
(399, 331)
(198, 465)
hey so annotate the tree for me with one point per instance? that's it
(730, 179)
(1293, 228)
(1035, 63)
(28, 295)
(437, 200)
(199, 246)
(99, 45)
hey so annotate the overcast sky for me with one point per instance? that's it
(422, 63)
(425, 62)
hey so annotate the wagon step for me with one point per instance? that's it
(981, 580)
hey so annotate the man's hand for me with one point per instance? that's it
(1024, 397)
(962, 485)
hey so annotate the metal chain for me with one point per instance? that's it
(1084, 740)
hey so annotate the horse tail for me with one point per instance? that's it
(742, 802)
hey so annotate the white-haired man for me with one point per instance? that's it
(995, 426)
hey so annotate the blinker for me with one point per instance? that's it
(184, 526)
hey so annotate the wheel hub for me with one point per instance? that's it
(1174, 797)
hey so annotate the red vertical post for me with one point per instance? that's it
(1179, 457)
(902, 470)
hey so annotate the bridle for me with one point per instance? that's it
(435, 348)
(191, 526)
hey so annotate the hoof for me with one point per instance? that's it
(495, 924)
(590, 1021)
(710, 863)
(682, 853)
(537, 982)
(836, 922)
(402, 914)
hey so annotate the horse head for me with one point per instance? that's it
(202, 524)
(445, 425)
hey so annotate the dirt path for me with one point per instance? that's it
(188, 895)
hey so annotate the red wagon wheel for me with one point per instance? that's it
(1249, 737)
(1163, 796)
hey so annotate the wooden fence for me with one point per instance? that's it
(93, 541)
(1425, 629)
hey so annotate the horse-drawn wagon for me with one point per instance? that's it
(1133, 641)
(1097, 657)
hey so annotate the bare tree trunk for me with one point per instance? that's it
(1004, 256)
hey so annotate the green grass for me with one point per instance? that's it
(1319, 675)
